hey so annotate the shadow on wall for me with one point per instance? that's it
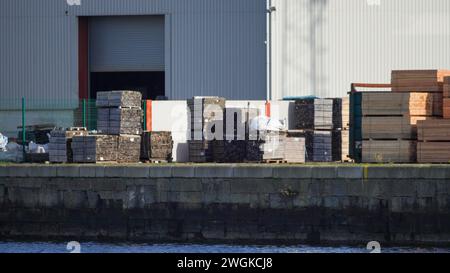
(317, 46)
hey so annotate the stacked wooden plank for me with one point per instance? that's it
(273, 148)
(60, 149)
(446, 98)
(128, 148)
(294, 151)
(206, 120)
(157, 146)
(434, 141)
(317, 118)
(314, 114)
(341, 126)
(318, 144)
(418, 80)
(95, 148)
(389, 123)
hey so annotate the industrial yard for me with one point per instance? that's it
(271, 122)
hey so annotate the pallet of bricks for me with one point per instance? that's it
(119, 124)
(341, 130)
(60, 145)
(314, 121)
(233, 147)
(205, 118)
(156, 147)
(434, 135)
(390, 119)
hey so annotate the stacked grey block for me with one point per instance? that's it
(205, 114)
(157, 146)
(119, 112)
(128, 149)
(57, 147)
(95, 148)
(314, 114)
(60, 145)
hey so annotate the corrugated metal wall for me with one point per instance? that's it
(321, 46)
(214, 47)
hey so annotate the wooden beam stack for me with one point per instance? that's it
(418, 80)
(434, 141)
(446, 95)
(341, 133)
(389, 124)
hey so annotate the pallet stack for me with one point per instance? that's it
(95, 148)
(273, 148)
(315, 118)
(446, 98)
(157, 146)
(205, 114)
(433, 83)
(434, 141)
(119, 112)
(389, 124)
(60, 145)
(341, 130)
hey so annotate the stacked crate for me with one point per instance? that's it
(60, 145)
(315, 118)
(119, 112)
(273, 148)
(389, 124)
(95, 148)
(341, 132)
(205, 114)
(434, 141)
(157, 146)
(446, 98)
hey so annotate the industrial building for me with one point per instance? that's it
(55, 52)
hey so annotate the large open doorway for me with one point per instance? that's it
(127, 53)
(150, 84)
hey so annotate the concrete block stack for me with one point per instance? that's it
(273, 148)
(119, 112)
(95, 148)
(206, 117)
(341, 131)
(315, 118)
(119, 124)
(60, 145)
(157, 146)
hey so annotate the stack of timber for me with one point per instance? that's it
(418, 80)
(318, 144)
(294, 151)
(128, 148)
(94, 148)
(206, 120)
(341, 133)
(224, 151)
(434, 141)
(389, 124)
(200, 151)
(446, 98)
(157, 146)
(273, 148)
(313, 114)
(119, 112)
(60, 145)
(206, 113)
(116, 121)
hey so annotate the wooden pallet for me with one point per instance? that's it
(274, 161)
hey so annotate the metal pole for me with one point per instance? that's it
(23, 127)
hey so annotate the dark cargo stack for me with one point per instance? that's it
(314, 117)
(94, 148)
(119, 112)
(60, 145)
(157, 146)
(203, 119)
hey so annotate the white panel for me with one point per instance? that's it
(126, 43)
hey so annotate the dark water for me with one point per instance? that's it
(92, 247)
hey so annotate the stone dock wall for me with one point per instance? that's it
(399, 204)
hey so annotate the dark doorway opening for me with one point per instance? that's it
(150, 84)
